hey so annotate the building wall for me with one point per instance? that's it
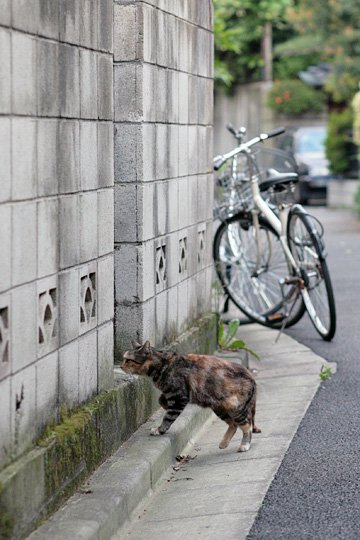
(56, 211)
(94, 91)
(245, 107)
(163, 93)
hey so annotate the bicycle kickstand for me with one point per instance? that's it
(297, 292)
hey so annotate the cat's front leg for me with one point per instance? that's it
(163, 402)
(175, 405)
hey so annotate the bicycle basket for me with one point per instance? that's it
(273, 158)
(232, 190)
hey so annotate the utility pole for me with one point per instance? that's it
(266, 49)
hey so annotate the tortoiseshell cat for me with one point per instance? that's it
(227, 388)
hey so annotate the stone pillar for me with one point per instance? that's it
(163, 109)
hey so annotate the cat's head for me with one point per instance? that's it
(137, 360)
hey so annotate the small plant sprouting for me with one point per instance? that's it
(226, 339)
(325, 373)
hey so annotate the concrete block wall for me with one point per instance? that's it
(56, 211)
(163, 88)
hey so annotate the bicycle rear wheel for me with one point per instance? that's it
(307, 248)
(251, 276)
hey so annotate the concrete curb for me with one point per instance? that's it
(104, 506)
(108, 499)
(35, 485)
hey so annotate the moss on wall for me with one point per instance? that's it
(67, 453)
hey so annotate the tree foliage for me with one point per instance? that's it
(339, 142)
(238, 30)
(293, 97)
(336, 25)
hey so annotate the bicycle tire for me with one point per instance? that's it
(307, 248)
(257, 296)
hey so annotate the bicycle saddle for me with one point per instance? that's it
(278, 180)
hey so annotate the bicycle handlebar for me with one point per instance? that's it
(220, 160)
(231, 128)
(275, 132)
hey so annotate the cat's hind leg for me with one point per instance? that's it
(246, 439)
(231, 430)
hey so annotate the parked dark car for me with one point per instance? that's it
(308, 147)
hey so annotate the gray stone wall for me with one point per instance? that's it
(92, 92)
(163, 89)
(56, 211)
(245, 107)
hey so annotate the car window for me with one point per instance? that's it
(311, 141)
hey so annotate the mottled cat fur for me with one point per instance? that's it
(227, 388)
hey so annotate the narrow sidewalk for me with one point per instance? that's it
(217, 493)
(143, 492)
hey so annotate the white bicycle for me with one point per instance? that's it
(269, 254)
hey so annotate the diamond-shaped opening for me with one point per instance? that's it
(19, 398)
(88, 302)
(52, 293)
(82, 315)
(88, 295)
(54, 331)
(92, 277)
(48, 314)
(5, 354)
(41, 336)
(4, 317)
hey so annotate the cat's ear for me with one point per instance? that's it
(147, 347)
(135, 345)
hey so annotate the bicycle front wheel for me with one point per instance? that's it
(251, 265)
(307, 249)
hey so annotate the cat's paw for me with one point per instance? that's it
(155, 431)
(223, 444)
(256, 429)
(244, 447)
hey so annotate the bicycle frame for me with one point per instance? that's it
(278, 224)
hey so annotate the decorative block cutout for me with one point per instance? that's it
(201, 248)
(160, 267)
(4, 341)
(183, 256)
(47, 321)
(88, 301)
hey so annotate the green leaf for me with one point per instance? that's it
(221, 334)
(232, 329)
(252, 352)
(325, 373)
(238, 344)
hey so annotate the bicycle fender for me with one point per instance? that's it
(299, 209)
(247, 218)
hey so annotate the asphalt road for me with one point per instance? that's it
(316, 492)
